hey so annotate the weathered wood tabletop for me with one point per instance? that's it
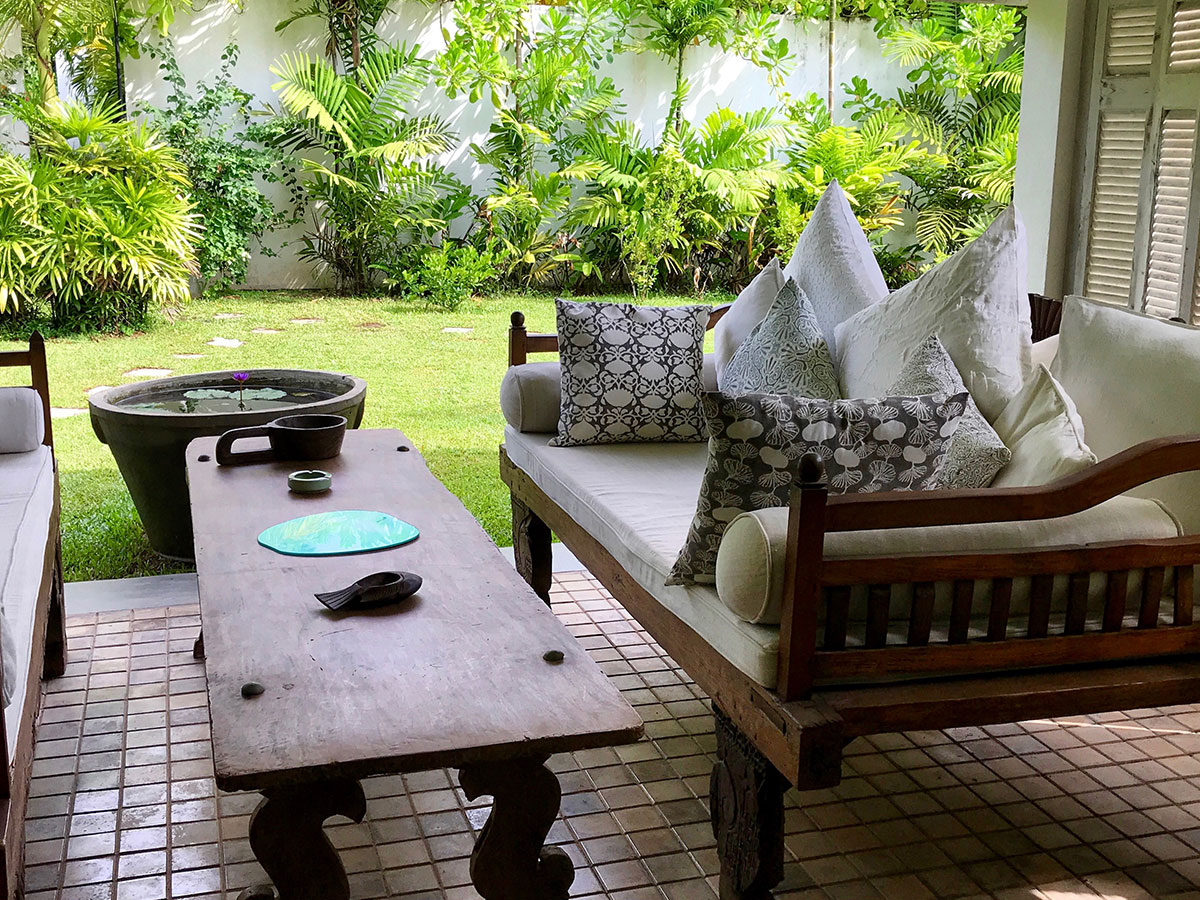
(452, 677)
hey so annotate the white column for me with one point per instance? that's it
(1046, 151)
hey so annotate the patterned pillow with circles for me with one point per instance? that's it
(756, 442)
(630, 373)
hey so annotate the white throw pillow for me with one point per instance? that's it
(1043, 429)
(22, 426)
(785, 353)
(747, 311)
(978, 303)
(834, 266)
(1134, 378)
(976, 452)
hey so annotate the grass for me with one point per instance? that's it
(439, 387)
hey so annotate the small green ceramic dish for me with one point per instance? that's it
(310, 481)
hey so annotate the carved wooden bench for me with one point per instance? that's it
(830, 690)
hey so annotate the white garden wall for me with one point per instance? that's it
(645, 80)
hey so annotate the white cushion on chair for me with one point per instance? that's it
(1133, 377)
(747, 311)
(1043, 429)
(22, 422)
(978, 304)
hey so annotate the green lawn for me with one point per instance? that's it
(440, 387)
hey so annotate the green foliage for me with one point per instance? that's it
(441, 277)
(216, 141)
(94, 227)
(349, 27)
(370, 178)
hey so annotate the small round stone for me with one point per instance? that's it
(553, 656)
(252, 689)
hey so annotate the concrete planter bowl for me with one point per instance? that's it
(148, 426)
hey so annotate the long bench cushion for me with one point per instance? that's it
(26, 504)
(637, 501)
(1133, 377)
(531, 394)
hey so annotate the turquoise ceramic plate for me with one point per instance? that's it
(336, 533)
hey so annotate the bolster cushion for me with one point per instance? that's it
(22, 426)
(751, 557)
(530, 394)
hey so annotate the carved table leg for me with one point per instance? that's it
(54, 659)
(531, 549)
(198, 647)
(510, 861)
(746, 801)
(288, 838)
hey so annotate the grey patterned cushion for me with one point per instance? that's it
(630, 373)
(976, 453)
(786, 353)
(756, 442)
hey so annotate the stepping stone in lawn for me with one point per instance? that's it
(188, 355)
(58, 412)
(147, 373)
(224, 342)
(265, 331)
(371, 326)
(312, 321)
(457, 330)
(228, 315)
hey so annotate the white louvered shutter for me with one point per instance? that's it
(1142, 208)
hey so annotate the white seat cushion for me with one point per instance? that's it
(26, 502)
(637, 501)
(1133, 378)
(834, 266)
(751, 558)
(977, 303)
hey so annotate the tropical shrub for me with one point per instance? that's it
(225, 167)
(371, 182)
(441, 277)
(95, 226)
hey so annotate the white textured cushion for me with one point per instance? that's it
(637, 501)
(976, 452)
(22, 426)
(747, 311)
(751, 559)
(786, 353)
(978, 304)
(1044, 351)
(1043, 429)
(1133, 378)
(835, 267)
(531, 394)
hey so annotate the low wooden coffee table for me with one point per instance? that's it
(453, 677)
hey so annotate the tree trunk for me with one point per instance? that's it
(39, 34)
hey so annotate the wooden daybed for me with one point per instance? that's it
(829, 691)
(37, 621)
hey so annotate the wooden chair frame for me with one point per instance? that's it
(827, 693)
(47, 658)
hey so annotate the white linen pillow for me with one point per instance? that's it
(785, 353)
(1134, 378)
(1043, 429)
(747, 311)
(976, 452)
(22, 422)
(978, 303)
(834, 266)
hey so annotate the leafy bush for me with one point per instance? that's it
(224, 168)
(372, 180)
(441, 277)
(95, 225)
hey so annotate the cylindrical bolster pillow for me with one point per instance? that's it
(22, 426)
(530, 394)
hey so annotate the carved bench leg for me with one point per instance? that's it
(54, 659)
(510, 860)
(531, 549)
(288, 838)
(746, 802)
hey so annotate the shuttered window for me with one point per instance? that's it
(1142, 206)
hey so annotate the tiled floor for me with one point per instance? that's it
(123, 800)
